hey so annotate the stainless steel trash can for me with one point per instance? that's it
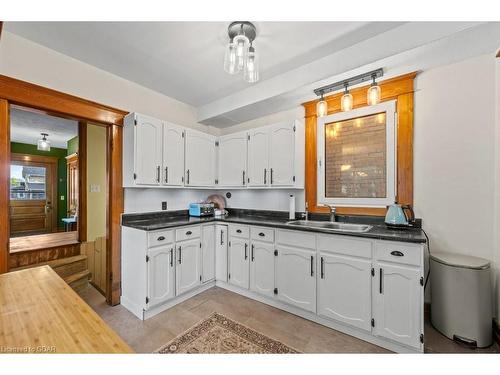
(461, 305)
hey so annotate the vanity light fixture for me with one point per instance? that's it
(43, 144)
(346, 101)
(240, 53)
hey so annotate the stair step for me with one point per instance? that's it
(54, 263)
(78, 281)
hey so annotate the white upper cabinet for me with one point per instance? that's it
(233, 160)
(200, 159)
(258, 157)
(161, 276)
(282, 154)
(188, 273)
(147, 150)
(398, 299)
(345, 289)
(173, 155)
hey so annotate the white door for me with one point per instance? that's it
(148, 150)
(173, 155)
(208, 252)
(345, 289)
(233, 160)
(296, 277)
(161, 276)
(258, 157)
(238, 262)
(397, 295)
(188, 265)
(200, 159)
(262, 268)
(282, 154)
(221, 252)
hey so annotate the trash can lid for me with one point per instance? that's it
(459, 260)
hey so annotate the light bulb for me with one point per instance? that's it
(346, 102)
(251, 69)
(43, 144)
(241, 42)
(230, 59)
(321, 107)
(373, 94)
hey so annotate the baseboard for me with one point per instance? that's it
(496, 331)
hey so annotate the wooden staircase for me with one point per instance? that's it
(73, 270)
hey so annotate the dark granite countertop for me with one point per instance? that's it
(173, 219)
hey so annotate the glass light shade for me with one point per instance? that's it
(346, 102)
(230, 59)
(43, 145)
(373, 95)
(321, 108)
(251, 69)
(241, 42)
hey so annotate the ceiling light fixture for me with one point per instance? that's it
(346, 101)
(240, 52)
(43, 144)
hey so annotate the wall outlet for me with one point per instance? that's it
(163, 206)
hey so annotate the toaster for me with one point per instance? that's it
(201, 209)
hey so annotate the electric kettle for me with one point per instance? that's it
(396, 216)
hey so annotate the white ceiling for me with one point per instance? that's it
(184, 60)
(25, 127)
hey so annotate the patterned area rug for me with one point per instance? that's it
(220, 335)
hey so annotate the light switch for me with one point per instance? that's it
(62, 197)
(95, 188)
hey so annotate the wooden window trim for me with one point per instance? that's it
(52, 102)
(400, 89)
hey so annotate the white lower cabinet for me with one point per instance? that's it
(207, 253)
(188, 273)
(262, 268)
(296, 277)
(221, 269)
(238, 262)
(345, 289)
(398, 294)
(161, 275)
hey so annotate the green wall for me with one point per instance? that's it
(60, 153)
(73, 146)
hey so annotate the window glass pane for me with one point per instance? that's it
(355, 158)
(27, 183)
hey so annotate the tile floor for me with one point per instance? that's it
(303, 335)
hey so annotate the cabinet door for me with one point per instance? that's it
(233, 160)
(188, 265)
(238, 262)
(207, 253)
(344, 289)
(282, 154)
(262, 268)
(148, 150)
(200, 159)
(296, 277)
(221, 252)
(161, 281)
(397, 296)
(173, 155)
(258, 157)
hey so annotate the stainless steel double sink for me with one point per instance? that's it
(332, 226)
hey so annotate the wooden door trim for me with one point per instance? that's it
(82, 181)
(400, 89)
(38, 98)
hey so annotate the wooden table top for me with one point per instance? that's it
(40, 313)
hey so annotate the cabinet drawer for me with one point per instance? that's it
(239, 231)
(345, 246)
(398, 252)
(187, 233)
(162, 237)
(296, 239)
(262, 234)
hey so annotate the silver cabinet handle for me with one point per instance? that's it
(253, 253)
(166, 175)
(180, 255)
(243, 177)
(246, 249)
(188, 233)
(312, 265)
(381, 276)
(161, 238)
(271, 176)
(265, 176)
(158, 174)
(322, 268)
(222, 237)
(187, 177)
(171, 257)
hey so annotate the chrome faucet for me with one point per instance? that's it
(333, 214)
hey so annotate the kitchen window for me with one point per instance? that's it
(356, 157)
